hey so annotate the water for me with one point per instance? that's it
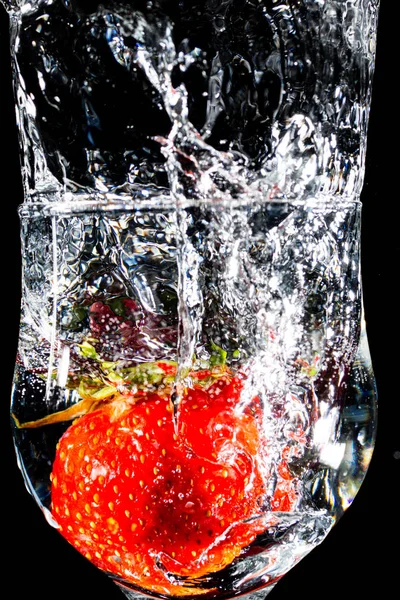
(283, 302)
(192, 174)
(205, 99)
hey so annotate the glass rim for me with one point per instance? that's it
(90, 205)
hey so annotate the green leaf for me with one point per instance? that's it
(108, 365)
(312, 371)
(104, 392)
(117, 305)
(144, 374)
(98, 391)
(218, 355)
(88, 351)
(74, 319)
(114, 378)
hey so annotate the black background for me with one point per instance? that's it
(362, 551)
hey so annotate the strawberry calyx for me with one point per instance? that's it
(104, 381)
(104, 365)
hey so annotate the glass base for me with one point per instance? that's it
(256, 595)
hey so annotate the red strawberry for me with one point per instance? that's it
(123, 331)
(138, 500)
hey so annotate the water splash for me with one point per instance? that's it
(244, 100)
(205, 154)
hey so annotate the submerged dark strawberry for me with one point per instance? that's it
(139, 498)
(122, 330)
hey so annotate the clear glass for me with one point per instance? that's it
(194, 405)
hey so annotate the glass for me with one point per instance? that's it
(194, 405)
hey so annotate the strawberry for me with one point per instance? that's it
(123, 331)
(140, 498)
(154, 502)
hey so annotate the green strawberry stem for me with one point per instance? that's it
(130, 383)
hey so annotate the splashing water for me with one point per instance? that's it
(282, 309)
(211, 100)
(195, 169)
